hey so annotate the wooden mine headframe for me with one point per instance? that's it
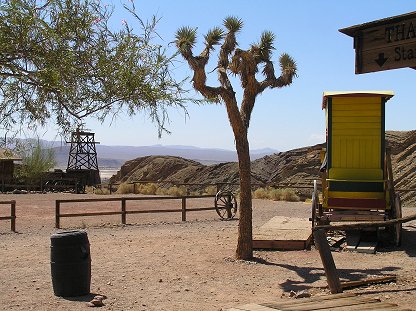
(82, 153)
(82, 160)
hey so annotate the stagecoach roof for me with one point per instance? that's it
(386, 94)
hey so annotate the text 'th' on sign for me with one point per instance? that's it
(384, 44)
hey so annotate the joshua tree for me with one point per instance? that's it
(244, 64)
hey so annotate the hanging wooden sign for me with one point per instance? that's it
(384, 44)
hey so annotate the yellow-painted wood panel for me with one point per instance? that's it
(356, 146)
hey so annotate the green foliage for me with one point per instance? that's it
(60, 60)
(213, 37)
(288, 65)
(36, 160)
(233, 24)
(185, 37)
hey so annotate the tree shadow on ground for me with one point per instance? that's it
(310, 275)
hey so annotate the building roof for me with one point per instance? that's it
(386, 94)
(8, 155)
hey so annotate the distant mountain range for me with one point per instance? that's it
(115, 156)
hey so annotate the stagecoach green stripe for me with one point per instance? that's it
(348, 186)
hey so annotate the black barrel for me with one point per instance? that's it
(70, 263)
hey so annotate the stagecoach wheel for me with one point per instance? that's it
(397, 228)
(225, 204)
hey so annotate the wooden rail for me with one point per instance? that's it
(12, 216)
(123, 208)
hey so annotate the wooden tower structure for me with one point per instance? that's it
(82, 160)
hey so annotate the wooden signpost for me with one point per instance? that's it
(388, 43)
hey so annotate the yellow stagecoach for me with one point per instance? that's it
(357, 179)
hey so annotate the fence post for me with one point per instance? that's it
(13, 216)
(57, 213)
(123, 211)
(110, 186)
(183, 208)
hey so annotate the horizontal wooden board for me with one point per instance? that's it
(338, 302)
(284, 233)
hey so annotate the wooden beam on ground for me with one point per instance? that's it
(331, 272)
(363, 225)
(374, 280)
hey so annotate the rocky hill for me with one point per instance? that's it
(298, 167)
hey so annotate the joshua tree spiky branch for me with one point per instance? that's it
(244, 64)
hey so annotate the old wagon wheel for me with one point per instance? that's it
(225, 204)
(397, 228)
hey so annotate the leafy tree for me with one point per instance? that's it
(36, 159)
(245, 64)
(60, 60)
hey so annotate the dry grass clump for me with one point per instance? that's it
(174, 191)
(94, 190)
(210, 190)
(148, 189)
(125, 188)
(276, 194)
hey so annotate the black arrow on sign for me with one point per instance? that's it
(381, 60)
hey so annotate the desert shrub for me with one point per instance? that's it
(261, 193)
(177, 191)
(148, 189)
(101, 191)
(210, 190)
(275, 194)
(173, 191)
(125, 188)
(289, 195)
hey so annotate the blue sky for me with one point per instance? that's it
(285, 118)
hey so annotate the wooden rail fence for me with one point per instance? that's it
(123, 207)
(12, 216)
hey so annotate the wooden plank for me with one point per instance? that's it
(331, 272)
(363, 225)
(382, 279)
(290, 302)
(283, 233)
(366, 247)
(281, 245)
(253, 307)
(336, 302)
(366, 307)
(328, 304)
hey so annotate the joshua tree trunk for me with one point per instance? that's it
(245, 230)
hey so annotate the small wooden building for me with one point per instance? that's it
(7, 159)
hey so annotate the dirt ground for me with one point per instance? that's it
(158, 262)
